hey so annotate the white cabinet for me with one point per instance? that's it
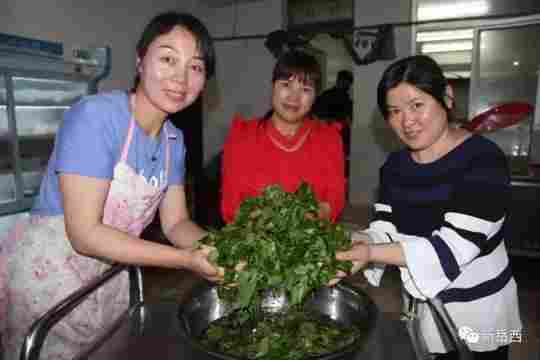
(35, 90)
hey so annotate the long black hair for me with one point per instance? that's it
(420, 71)
(166, 22)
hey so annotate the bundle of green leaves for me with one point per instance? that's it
(283, 244)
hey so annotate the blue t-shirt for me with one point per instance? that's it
(89, 143)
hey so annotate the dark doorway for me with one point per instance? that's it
(189, 121)
(202, 183)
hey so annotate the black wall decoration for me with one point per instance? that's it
(364, 46)
(368, 46)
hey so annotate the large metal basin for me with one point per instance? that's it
(343, 303)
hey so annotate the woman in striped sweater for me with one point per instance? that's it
(440, 214)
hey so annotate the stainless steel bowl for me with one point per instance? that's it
(342, 303)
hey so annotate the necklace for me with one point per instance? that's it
(293, 148)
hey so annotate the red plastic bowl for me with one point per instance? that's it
(499, 116)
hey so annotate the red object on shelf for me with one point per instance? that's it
(499, 116)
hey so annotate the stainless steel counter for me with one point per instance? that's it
(159, 336)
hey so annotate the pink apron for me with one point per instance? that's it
(42, 268)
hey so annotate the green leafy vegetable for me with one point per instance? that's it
(294, 335)
(284, 245)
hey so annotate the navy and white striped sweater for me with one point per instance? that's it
(455, 209)
(449, 216)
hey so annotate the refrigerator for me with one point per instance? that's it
(38, 82)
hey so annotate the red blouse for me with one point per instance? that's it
(251, 161)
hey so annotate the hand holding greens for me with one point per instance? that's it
(284, 245)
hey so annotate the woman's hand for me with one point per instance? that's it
(202, 265)
(359, 254)
(325, 211)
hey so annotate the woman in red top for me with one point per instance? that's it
(286, 146)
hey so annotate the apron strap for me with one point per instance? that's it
(125, 148)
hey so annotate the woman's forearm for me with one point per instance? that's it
(105, 242)
(391, 254)
(185, 234)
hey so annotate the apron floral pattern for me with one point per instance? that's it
(39, 267)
